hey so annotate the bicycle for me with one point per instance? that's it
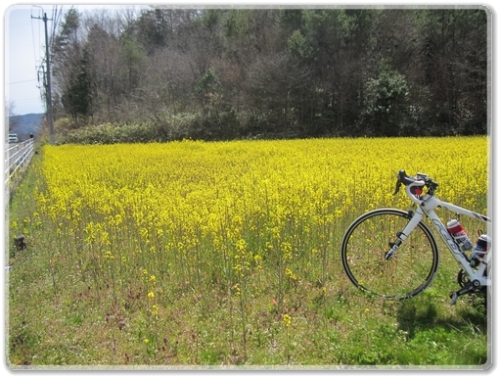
(392, 254)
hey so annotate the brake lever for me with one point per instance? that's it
(398, 185)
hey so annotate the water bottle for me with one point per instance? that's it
(480, 250)
(456, 230)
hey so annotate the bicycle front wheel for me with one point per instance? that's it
(407, 273)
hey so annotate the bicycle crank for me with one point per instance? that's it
(468, 288)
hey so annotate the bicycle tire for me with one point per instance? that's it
(407, 273)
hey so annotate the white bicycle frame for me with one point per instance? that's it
(426, 206)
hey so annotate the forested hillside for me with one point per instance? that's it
(230, 73)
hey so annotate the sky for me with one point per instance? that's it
(24, 52)
(24, 48)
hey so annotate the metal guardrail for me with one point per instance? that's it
(17, 156)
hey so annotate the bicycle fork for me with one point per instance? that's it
(401, 236)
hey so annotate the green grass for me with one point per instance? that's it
(61, 314)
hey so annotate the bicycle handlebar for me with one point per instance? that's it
(418, 182)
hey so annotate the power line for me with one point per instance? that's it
(23, 81)
(29, 99)
(36, 47)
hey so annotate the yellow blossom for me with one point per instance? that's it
(286, 320)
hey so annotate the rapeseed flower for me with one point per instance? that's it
(207, 211)
(286, 320)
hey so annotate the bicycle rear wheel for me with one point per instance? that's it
(407, 273)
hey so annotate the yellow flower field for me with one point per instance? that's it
(197, 205)
(251, 227)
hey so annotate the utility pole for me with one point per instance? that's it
(48, 95)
